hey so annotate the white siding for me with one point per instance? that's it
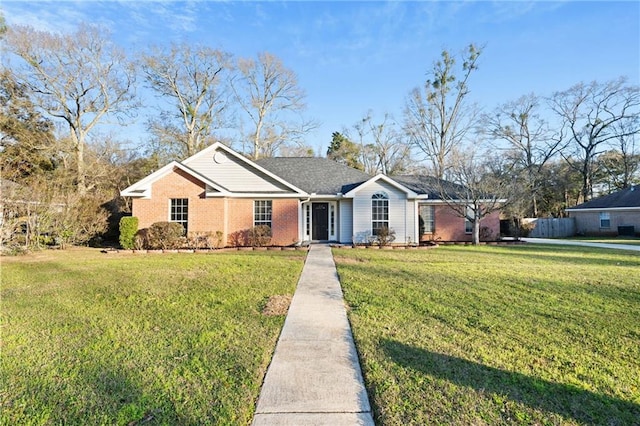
(412, 225)
(345, 221)
(235, 175)
(398, 211)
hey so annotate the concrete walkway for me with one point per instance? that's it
(314, 377)
(582, 243)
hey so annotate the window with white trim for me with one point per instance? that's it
(262, 212)
(379, 212)
(605, 220)
(427, 218)
(468, 225)
(179, 211)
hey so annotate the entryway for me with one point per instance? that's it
(320, 221)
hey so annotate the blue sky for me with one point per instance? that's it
(351, 57)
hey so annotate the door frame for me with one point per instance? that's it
(332, 219)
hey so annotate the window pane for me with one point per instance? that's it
(179, 211)
(379, 212)
(427, 218)
(262, 213)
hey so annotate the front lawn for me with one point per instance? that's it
(611, 240)
(497, 335)
(91, 338)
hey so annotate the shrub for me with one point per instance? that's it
(239, 238)
(165, 235)
(259, 236)
(486, 234)
(128, 229)
(385, 236)
(207, 240)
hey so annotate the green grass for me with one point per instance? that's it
(612, 240)
(497, 335)
(90, 338)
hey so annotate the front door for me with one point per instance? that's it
(320, 221)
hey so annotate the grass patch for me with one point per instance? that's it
(612, 240)
(497, 335)
(89, 338)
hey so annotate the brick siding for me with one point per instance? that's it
(450, 227)
(208, 214)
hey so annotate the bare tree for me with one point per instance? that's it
(474, 190)
(382, 145)
(191, 80)
(437, 116)
(594, 116)
(78, 78)
(530, 142)
(268, 92)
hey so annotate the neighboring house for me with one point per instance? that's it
(613, 214)
(301, 199)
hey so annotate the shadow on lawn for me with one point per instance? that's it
(566, 400)
(572, 255)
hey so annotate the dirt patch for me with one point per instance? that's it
(350, 260)
(277, 305)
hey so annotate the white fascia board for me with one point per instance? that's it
(245, 160)
(144, 184)
(142, 188)
(264, 195)
(605, 209)
(441, 201)
(385, 178)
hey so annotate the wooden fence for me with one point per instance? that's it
(552, 227)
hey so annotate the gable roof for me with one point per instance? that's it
(248, 164)
(143, 186)
(314, 174)
(384, 178)
(429, 186)
(626, 198)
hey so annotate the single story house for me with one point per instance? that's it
(613, 214)
(301, 199)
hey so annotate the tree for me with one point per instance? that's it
(27, 141)
(269, 94)
(530, 142)
(594, 116)
(79, 78)
(438, 117)
(474, 190)
(382, 147)
(191, 80)
(344, 151)
(617, 169)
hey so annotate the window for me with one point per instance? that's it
(262, 212)
(179, 212)
(307, 215)
(332, 220)
(468, 225)
(379, 212)
(605, 220)
(427, 219)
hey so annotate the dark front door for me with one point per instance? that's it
(320, 221)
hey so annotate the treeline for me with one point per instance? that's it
(543, 153)
(62, 170)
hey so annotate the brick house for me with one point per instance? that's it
(301, 199)
(613, 214)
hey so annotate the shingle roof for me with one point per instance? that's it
(629, 197)
(429, 185)
(314, 174)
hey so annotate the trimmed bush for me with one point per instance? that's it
(165, 235)
(385, 236)
(128, 229)
(259, 236)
